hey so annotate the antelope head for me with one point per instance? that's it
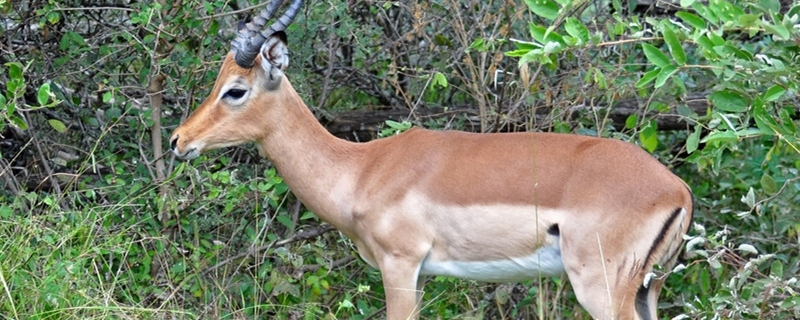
(250, 86)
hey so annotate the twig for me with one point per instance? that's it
(350, 278)
(785, 184)
(300, 236)
(11, 181)
(376, 313)
(331, 266)
(94, 8)
(326, 80)
(43, 160)
(154, 91)
(234, 11)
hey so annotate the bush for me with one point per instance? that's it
(98, 222)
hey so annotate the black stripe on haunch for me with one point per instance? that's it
(662, 233)
(681, 258)
(553, 230)
(642, 308)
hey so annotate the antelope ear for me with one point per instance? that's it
(275, 57)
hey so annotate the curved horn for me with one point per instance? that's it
(250, 38)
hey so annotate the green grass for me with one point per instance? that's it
(100, 262)
(65, 264)
(229, 250)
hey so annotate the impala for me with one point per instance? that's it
(499, 207)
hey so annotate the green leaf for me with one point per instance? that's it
(693, 141)
(479, 45)
(649, 136)
(721, 136)
(777, 269)
(43, 94)
(749, 132)
(768, 184)
(440, 79)
(787, 115)
(749, 20)
(552, 47)
(19, 122)
(774, 93)
(545, 36)
(728, 100)
(57, 125)
(631, 121)
(685, 111)
(442, 40)
(658, 106)
(178, 268)
(576, 29)
(6, 212)
(71, 39)
(285, 221)
(764, 121)
(213, 28)
(92, 121)
(655, 56)
(724, 10)
(687, 3)
(739, 53)
(308, 215)
(148, 39)
(517, 53)
(53, 17)
(544, 8)
(113, 113)
(704, 12)
(692, 19)
(716, 39)
(533, 55)
(665, 74)
(674, 44)
(524, 45)
(63, 45)
(600, 79)
(398, 125)
(779, 30)
(619, 29)
(708, 47)
(15, 71)
(647, 78)
(14, 87)
(793, 301)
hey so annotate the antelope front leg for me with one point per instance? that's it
(401, 282)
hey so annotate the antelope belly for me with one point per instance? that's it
(546, 261)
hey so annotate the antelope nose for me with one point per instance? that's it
(174, 143)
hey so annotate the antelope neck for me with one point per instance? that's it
(317, 166)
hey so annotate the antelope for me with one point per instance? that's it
(499, 207)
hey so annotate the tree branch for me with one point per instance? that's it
(300, 236)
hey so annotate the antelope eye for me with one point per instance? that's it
(234, 93)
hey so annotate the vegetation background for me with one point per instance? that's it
(98, 220)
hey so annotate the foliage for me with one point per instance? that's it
(394, 127)
(743, 56)
(92, 228)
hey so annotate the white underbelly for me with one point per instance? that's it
(546, 261)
